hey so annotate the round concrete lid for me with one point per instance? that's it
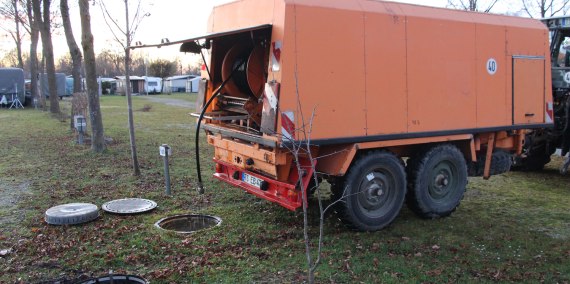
(129, 206)
(72, 213)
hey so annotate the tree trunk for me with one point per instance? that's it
(34, 35)
(49, 58)
(18, 35)
(74, 50)
(98, 139)
(134, 157)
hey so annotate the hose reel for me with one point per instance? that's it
(246, 62)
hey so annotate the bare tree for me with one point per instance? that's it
(127, 32)
(74, 50)
(11, 10)
(472, 5)
(544, 8)
(162, 68)
(34, 38)
(98, 139)
(110, 63)
(43, 20)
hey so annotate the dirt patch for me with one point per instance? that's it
(170, 102)
(10, 195)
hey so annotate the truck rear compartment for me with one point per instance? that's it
(241, 121)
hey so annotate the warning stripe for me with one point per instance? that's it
(287, 125)
(549, 114)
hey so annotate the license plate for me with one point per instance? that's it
(251, 180)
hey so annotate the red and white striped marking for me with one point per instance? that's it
(276, 56)
(549, 114)
(287, 125)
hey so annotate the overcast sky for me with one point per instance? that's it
(172, 19)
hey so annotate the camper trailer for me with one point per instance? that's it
(192, 85)
(61, 83)
(153, 85)
(11, 86)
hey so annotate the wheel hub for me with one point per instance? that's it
(374, 193)
(442, 180)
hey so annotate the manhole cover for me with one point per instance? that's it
(188, 223)
(71, 214)
(129, 206)
(115, 279)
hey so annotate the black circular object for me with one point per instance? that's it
(115, 279)
(438, 178)
(188, 223)
(372, 192)
(71, 214)
(129, 206)
(264, 186)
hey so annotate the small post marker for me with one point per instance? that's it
(166, 151)
(80, 125)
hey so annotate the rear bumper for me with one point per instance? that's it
(284, 194)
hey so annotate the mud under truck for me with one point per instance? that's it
(393, 102)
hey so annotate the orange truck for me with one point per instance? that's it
(393, 102)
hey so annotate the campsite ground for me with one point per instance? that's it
(513, 227)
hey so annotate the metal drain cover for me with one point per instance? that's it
(129, 206)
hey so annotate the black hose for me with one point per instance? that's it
(197, 146)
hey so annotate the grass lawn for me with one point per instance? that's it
(513, 227)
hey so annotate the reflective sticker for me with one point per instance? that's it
(269, 111)
(287, 125)
(276, 56)
(370, 176)
(549, 114)
(492, 66)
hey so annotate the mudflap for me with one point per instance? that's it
(287, 194)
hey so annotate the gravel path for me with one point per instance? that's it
(171, 102)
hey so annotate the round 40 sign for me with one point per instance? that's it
(492, 66)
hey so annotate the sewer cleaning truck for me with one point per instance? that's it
(390, 103)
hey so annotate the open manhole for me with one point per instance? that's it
(188, 223)
(115, 279)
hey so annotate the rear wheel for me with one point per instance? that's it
(438, 178)
(373, 192)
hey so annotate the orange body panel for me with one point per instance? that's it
(528, 81)
(378, 71)
(385, 45)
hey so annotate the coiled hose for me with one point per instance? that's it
(197, 146)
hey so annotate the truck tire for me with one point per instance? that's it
(372, 192)
(537, 156)
(437, 181)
